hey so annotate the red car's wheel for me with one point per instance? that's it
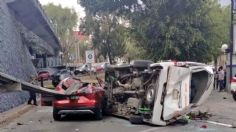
(99, 114)
(56, 116)
(234, 96)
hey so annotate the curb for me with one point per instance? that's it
(12, 114)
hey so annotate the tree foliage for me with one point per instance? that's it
(220, 31)
(108, 35)
(190, 30)
(64, 21)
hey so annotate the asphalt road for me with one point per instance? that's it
(39, 119)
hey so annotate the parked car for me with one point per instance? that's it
(60, 75)
(84, 69)
(233, 87)
(46, 73)
(83, 97)
(157, 93)
(101, 67)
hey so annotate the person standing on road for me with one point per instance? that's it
(32, 93)
(221, 75)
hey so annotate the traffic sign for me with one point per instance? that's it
(90, 56)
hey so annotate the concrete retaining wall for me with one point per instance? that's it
(14, 58)
(10, 100)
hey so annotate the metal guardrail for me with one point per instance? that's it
(6, 79)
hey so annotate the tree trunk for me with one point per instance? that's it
(109, 53)
(109, 48)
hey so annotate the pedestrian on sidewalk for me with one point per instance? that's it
(221, 75)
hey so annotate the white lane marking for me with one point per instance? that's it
(220, 124)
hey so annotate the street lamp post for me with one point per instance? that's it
(225, 49)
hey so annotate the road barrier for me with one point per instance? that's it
(10, 83)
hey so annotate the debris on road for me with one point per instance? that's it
(19, 124)
(204, 126)
(199, 115)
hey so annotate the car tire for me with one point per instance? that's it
(234, 96)
(56, 116)
(99, 114)
(107, 109)
(150, 95)
(136, 119)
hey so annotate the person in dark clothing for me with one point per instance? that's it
(32, 93)
(32, 98)
(221, 78)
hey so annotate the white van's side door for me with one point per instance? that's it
(176, 100)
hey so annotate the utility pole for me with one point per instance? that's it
(232, 39)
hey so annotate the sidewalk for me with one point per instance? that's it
(10, 115)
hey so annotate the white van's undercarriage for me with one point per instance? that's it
(159, 93)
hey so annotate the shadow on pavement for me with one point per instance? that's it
(82, 117)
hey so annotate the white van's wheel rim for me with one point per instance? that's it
(150, 95)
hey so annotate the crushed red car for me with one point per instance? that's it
(83, 98)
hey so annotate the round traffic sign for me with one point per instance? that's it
(90, 56)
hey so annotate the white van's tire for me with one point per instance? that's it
(150, 95)
(136, 120)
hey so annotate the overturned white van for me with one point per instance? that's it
(157, 93)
